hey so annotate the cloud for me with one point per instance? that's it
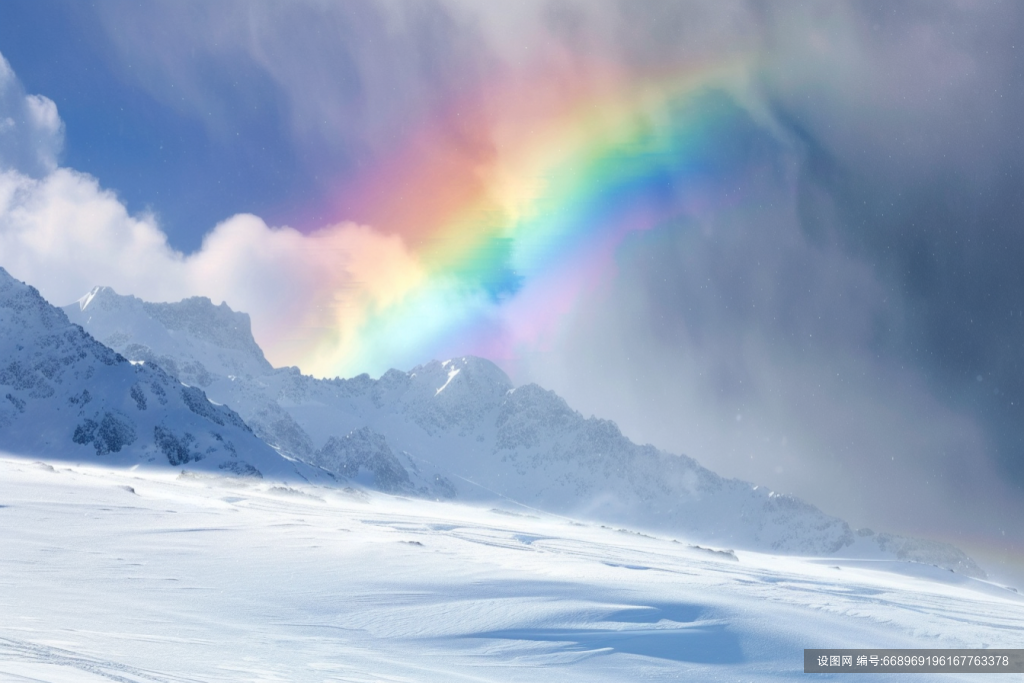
(909, 117)
(351, 78)
(64, 234)
(761, 354)
(31, 132)
(856, 339)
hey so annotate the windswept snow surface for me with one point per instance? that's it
(163, 576)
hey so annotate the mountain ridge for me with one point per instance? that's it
(67, 396)
(460, 429)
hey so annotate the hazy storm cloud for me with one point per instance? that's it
(858, 339)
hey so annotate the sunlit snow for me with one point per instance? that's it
(160, 575)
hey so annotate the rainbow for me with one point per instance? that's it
(510, 225)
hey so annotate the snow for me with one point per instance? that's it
(397, 532)
(150, 575)
(451, 376)
(84, 302)
(460, 429)
(65, 395)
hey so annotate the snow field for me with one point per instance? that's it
(156, 576)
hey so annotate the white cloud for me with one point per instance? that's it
(64, 234)
(31, 132)
(61, 232)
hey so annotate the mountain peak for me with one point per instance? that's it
(217, 324)
(66, 395)
(21, 305)
(189, 339)
(102, 297)
(463, 375)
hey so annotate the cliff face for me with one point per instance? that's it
(65, 395)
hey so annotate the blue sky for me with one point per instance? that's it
(157, 157)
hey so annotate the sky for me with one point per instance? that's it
(784, 239)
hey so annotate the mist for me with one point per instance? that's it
(856, 340)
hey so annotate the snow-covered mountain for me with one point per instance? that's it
(66, 396)
(459, 428)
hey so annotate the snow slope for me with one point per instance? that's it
(65, 395)
(460, 429)
(149, 576)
